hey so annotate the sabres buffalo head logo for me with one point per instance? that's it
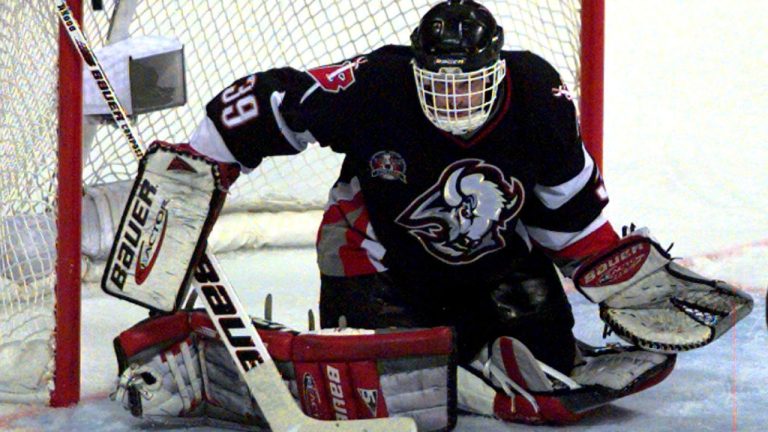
(460, 219)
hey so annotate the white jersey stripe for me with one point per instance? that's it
(553, 197)
(206, 140)
(374, 249)
(375, 253)
(298, 140)
(309, 91)
(556, 240)
(342, 191)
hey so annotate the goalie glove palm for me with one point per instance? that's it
(649, 300)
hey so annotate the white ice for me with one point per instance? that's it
(686, 153)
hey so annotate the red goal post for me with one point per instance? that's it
(66, 373)
(592, 66)
(47, 167)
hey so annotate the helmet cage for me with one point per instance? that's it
(455, 101)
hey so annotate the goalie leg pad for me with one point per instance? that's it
(506, 381)
(649, 300)
(172, 370)
(352, 374)
(373, 374)
(173, 205)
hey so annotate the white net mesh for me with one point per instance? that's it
(223, 40)
(28, 164)
(301, 34)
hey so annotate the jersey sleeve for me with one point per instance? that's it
(279, 112)
(565, 215)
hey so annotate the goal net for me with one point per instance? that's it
(277, 205)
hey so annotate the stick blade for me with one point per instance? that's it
(394, 424)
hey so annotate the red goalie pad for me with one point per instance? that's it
(347, 375)
(369, 375)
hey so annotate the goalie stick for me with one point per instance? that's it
(221, 302)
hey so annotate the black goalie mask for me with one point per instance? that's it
(457, 64)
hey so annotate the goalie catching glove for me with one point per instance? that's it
(649, 300)
(174, 369)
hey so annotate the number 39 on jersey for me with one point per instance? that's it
(240, 104)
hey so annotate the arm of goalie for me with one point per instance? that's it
(174, 202)
(649, 300)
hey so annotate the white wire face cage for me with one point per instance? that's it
(458, 102)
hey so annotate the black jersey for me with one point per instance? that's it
(410, 197)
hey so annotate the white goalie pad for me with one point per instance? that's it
(506, 380)
(651, 301)
(175, 200)
(174, 369)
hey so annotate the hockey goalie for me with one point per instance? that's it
(465, 193)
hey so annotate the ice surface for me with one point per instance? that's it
(717, 388)
(721, 387)
(686, 153)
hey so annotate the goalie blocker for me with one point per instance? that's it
(649, 300)
(174, 202)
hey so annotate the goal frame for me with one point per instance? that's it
(591, 62)
(66, 379)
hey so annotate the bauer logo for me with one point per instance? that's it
(221, 308)
(333, 78)
(149, 250)
(449, 61)
(618, 267)
(337, 392)
(130, 236)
